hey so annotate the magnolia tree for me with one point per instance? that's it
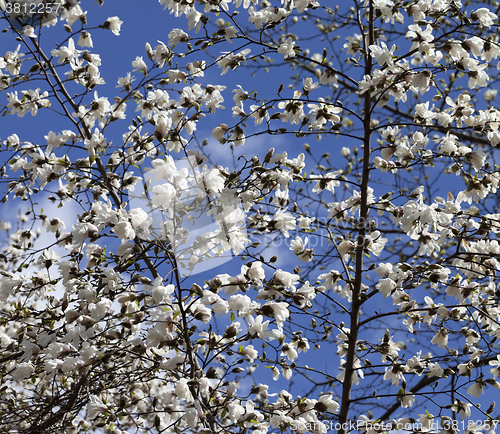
(360, 207)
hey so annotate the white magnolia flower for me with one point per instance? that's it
(463, 407)
(287, 372)
(421, 38)
(353, 44)
(284, 221)
(386, 286)
(441, 338)
(238, 137)
(356, 374)
(345, 152)
(234, 411)
(22, 371)
(485, 16)
(101, 309)
(29, 31)
(308, 84)
(495, 371)
(163, 123)
(436, 370)
(140, 220)
(280, 419)
(161, 294)
(95, 406)
(124, 231)
(250, 352)
(288, 280)
(289, 351)
(71, 364)
(85, 40)
(256, 326)
(476, 389)
(126, 82)
(231, 60)
(328, 402)
(476, 158)
(139, 64)
(219, 132)
(346, 247)
(280, 312)
(191, 416)
(177, 35)
(394, 373)
(68, 53)
(240, 303)
(114, 24)
(256, 271)
(194, 18)
(490, 94)
(298, 245)
(426, 420)
(407, 400)
(213, 181)
(164, 194)
(287, 48)
(182, 389)
(53, 225)
(382, 54)
(96, 141)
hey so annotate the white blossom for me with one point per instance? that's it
(485, 16)
(287, 48)
(114, 24)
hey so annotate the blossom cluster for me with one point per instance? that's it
(107, 321)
